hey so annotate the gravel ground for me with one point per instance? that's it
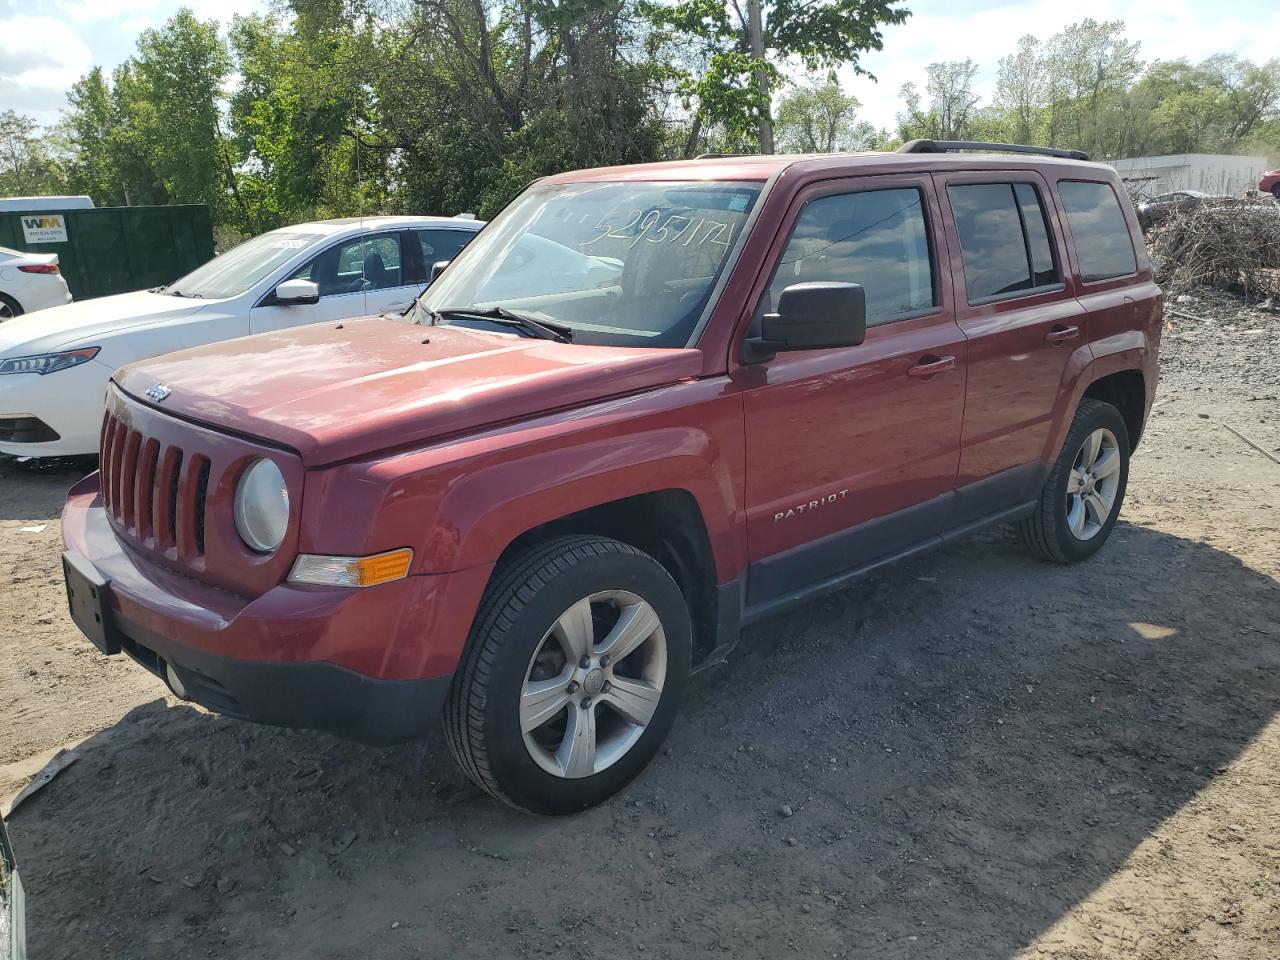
(971, 755)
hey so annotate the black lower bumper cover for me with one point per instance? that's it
(311, 695)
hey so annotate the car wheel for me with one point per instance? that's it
(572, 676)
(1275, 190)
(1083, 493)
(9, 308)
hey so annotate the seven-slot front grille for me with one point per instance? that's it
(155, 493)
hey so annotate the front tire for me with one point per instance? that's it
(1082, 496)
(572, 676)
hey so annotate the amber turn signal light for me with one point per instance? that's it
(352, 571)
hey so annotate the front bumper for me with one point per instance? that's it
(370, 665)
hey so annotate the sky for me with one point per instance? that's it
(46, 45)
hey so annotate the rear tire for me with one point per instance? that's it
(9, 308)
(1275, 191)
(1085, 489)
(540, 715)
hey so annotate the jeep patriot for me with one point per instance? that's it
(645, 407)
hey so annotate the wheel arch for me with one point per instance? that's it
(1126, 390)
(667, 524)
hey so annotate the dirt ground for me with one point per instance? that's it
(983, 757)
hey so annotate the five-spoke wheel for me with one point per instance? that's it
(594, 683)
(572, 676)
(1085, 488)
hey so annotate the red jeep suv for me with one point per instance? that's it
(645, 407)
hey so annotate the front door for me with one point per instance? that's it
(851, 453)
(359, 277)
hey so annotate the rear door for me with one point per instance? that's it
(1027, 334)
(852, 452)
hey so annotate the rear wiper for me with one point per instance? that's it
(561, 333)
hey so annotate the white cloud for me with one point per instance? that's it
(40, 57)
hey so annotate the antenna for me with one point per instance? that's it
(364, 277)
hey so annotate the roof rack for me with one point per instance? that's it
(721, 156)
(942, 146)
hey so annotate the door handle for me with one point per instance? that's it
(1061, 334)
(928, 366)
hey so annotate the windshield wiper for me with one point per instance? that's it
(561, 333)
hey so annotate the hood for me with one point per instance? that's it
(335, 392)
(79, 324)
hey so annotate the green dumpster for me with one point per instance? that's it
(115, 249)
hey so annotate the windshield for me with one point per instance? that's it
(241, 267)
(631, 264)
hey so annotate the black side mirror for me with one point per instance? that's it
(812, 316)
(437, 268)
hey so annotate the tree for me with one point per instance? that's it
(1021, 88)
(949, 87)
(26, 163)
(820, 118)
(1090, 65)
(152, 135)
(717, 80)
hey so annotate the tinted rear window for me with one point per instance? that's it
(1004, 239)
(1099, 229)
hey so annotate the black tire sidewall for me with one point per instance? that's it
(516, 772)
(1104, 415)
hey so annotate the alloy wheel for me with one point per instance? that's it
(1093, 484)
(593, 685)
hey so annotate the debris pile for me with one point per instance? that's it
(1229, 243)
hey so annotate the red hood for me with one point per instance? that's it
(334, 392)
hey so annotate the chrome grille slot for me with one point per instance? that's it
(147, 493)
(171, 493)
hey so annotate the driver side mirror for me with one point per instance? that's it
(437, 268)
(811, 316)
(297, 292)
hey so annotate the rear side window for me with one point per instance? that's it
(442, 244)
(877, 238)
(1004, 239)
(1099, 229)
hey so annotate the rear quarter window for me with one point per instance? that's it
(1099, 229)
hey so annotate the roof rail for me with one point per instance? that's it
(942, 146)
(721, 156)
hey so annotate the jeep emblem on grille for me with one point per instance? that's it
(158, 392)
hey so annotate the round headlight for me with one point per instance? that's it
(262, 506)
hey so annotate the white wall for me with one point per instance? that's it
(1210, 173)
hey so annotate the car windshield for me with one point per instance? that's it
(631, 264)
(235, 271)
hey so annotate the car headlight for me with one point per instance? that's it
(48, 362)
(262, 506)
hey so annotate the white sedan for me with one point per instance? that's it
(30, 281)
(55, 364)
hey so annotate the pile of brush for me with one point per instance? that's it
(1225, 243)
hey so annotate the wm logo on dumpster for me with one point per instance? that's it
(42, 223)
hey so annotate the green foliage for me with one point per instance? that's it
(336, 107)
(1087, 88)
(821, 118)
(716, 74)
(26, 165)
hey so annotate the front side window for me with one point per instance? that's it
(623, 263)
(243, 266)
(1004, 239)
(367, 263)
(1099, 229)
(877, 238)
